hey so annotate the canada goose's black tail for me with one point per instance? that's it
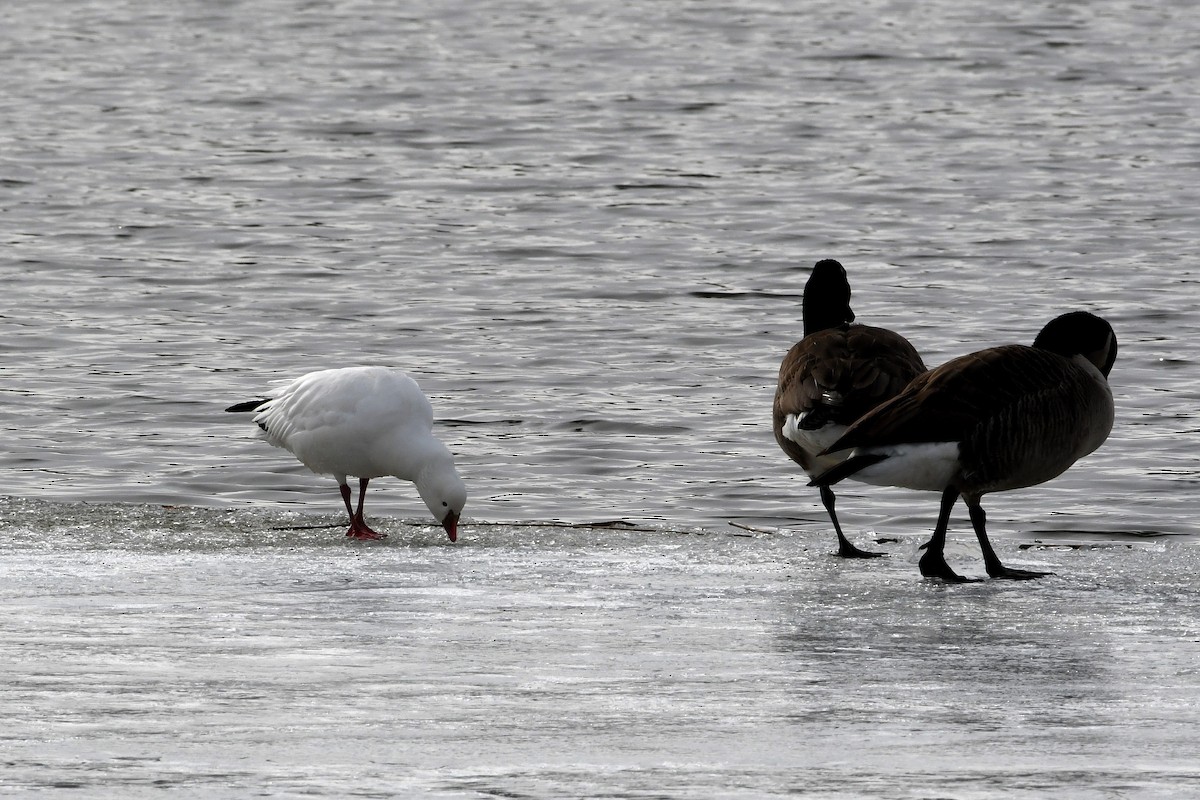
(846, 469)
(249, 405)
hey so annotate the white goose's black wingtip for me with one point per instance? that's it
(249, 405)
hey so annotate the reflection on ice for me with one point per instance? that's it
(149, 648)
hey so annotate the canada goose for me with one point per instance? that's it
(831, 377)
(1002, 418)
(367, 422)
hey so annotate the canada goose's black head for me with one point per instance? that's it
(1080, 333)
(827, 297)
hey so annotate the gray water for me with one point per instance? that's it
(584, 228)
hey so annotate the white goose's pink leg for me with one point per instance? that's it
(358, 527)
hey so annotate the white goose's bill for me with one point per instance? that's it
(928, 466)
(450, 525)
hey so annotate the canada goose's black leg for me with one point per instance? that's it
(845, 548)
(990, 560)
(933, 563)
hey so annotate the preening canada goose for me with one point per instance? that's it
(1002, 418)
(831, 377)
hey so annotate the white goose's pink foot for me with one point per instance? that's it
(360, 530)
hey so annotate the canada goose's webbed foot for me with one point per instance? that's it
(933, 565)
(845, 548)
(848, 550)
(1006, 573)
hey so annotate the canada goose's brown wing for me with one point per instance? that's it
(843, 373)
(967, 397)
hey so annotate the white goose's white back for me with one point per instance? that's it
(362, 421)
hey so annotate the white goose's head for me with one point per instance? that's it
(444, 493)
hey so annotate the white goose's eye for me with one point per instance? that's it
(444, 504)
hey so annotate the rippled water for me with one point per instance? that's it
(584, 228)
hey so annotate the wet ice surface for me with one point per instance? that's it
(220, 654)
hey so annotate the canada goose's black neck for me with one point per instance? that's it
(1080, 333)
(827, 298)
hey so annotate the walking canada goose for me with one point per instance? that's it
(831, 377)
(1002, 418)
(367, 422)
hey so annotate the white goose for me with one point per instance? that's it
(367, 422)
(833, 376)
(1002, 418)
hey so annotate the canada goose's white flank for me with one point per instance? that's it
(367, 422)
(831, 377)
(1002, 418)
